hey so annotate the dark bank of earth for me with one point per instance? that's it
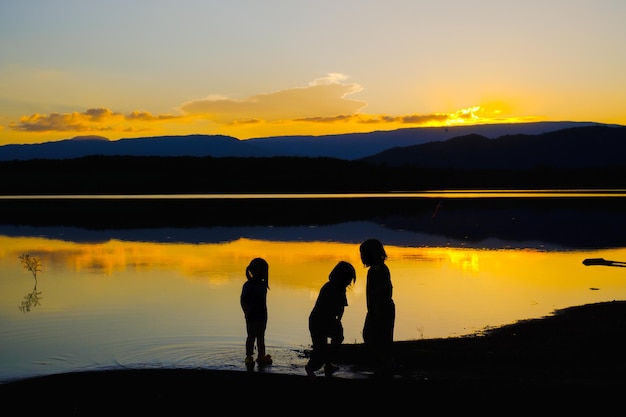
(572, 360)
(577, 343)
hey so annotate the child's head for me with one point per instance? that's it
(372, 252)
(343, 273)
(258, 270)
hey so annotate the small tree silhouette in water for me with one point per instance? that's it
(33, 265)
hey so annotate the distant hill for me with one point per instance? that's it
(577, 147)
(192, 145)
(344, 146)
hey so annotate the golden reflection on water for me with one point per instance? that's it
(439, 291)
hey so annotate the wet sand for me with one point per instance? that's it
(572, 361)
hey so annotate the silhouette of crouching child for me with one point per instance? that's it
(325, 319)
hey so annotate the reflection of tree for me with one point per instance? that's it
(33, 265)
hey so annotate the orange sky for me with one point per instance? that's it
(246, 69)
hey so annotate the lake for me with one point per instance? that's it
(154, 281)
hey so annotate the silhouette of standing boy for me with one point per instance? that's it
(381, 310)
(254, 305)
(325, 319)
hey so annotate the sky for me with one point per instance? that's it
(259, 68)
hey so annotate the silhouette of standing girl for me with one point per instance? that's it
(381, 310)
(254, 305)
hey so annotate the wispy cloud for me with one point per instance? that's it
(471, 114)
(323, 97)
(97, 119)
(324, 102)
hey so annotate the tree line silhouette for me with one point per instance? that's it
(206, 175)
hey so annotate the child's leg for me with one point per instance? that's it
(260, 344)
(249, 339)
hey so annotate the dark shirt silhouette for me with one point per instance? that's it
(381, 310)
(254, 305)
(325, 319)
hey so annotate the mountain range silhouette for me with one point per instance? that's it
(525, 142)
(571, 148)
(545, 156)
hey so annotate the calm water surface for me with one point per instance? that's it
(169, 296)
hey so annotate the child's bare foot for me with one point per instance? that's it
(264, 360)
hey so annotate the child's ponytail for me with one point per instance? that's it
(258, 269)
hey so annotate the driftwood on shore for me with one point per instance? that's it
(603, 262)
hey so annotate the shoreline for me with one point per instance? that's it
(575, 355)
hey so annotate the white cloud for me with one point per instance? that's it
(323, 97)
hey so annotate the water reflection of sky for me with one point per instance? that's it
(170, 295)
(440, 290)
